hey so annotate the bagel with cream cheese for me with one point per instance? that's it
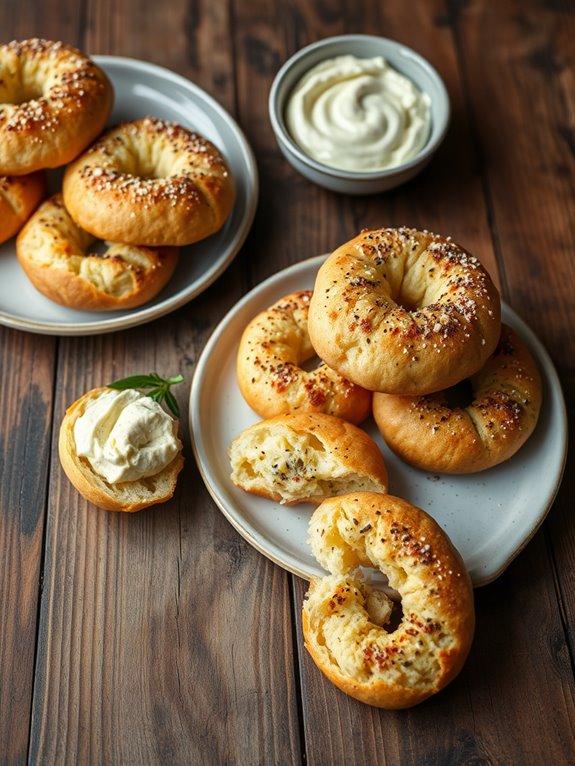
(150, 182)
(54, 101)
(350, 628)
(128, 496)
(403, 312)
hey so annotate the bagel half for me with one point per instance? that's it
(304, 457)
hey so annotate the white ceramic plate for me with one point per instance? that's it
(145, 89)
(489, 516)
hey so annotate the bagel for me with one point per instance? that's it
(54, 101)
(19, 197)
(150, 182)
(405, 312)
(432, 434)
(346, 623)
(272, 348)
(304, 457)
(53, 251)
(128, 496)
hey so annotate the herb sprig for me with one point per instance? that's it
(160, 388)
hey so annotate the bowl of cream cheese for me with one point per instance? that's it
(358, 114)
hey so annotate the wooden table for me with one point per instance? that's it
(163, 637)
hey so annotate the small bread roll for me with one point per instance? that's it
(433, 435)
(347, 624)
(126, 496)
(19, 197)
(306, 457)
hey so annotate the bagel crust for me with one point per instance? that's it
(19, 197)
(54, 253)
(150, 182)
(426, 432)
(346, 622)
(271, 380)
(404, 312)
(304, 457)
(54, 101)
(128, 496)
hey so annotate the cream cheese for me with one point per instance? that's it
(126, 436)
(358, 114)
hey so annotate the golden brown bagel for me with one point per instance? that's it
(19, 197)
(304, 457)
(126, 496)
(403, 312)
(54, 253)
(273, 346)
(150, 182)
(434, 436)
(346, 623)
(53, 102)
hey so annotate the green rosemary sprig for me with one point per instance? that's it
(160, 388)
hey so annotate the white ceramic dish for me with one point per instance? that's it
(142, 89)
(489, 516)
(402, 58)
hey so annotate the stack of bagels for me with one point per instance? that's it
(407, 325)
(145, 187)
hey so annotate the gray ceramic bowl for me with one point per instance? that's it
(406, 61)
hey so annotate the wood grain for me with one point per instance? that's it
(163, 637)
(26, 404)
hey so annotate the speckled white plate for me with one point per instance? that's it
(145, 89)
(489, 516)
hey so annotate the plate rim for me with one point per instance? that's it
(543, 359)
(144, 314)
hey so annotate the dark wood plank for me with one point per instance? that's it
(518, 62)
(27, 364)
(26, 374)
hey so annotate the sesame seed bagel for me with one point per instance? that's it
(272, 349)
(150, 182)
(404, 312)
(432, 434)
(19, 197)
(54, 253)
(348, 626)
(54, 101)
(304, 457)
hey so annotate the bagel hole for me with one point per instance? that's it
(391, 621)
(395, 619)
(311, 364)
(459, 396)
(148, 168)
(29, 91)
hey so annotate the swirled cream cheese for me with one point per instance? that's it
(358, 114)
(126, 436)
